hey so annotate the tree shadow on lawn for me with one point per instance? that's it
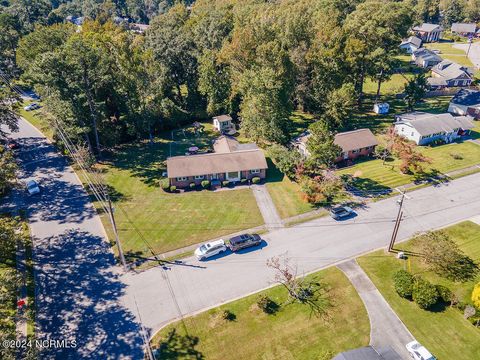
(365, 187)
(147, 160)
(176, 347)
(432, 176)
(78, 297)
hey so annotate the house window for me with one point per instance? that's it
(214, 176)
(184, 178)
(255, 171)
(199, 177)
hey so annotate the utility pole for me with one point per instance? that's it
(469, 45)
(397, 222)
(115, 232)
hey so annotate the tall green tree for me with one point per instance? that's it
(323, 151)
(373, 32)
(415, 90)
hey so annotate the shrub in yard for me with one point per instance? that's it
(228, 315)
(173, 188)
(267, 305)
(444, 294)
(256, 180)
(469, 311)
(424, 293)
(403, 282)
(165, 185)
(457, 156)
(243, 181)
(476, 296)
(192, 185)
(225, 183)
(206, 184)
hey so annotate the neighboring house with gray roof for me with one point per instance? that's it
(368, 353)
(230, 161)
(354, 144)
(425, 58)
(412, 44)
(424, 128)
(466, 102)
(428, 32)
(464, 29)
(449, 74)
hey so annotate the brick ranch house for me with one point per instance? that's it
(354, 144)
(230, 161)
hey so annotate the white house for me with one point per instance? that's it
(224, 124)
(423, 128)
(428, 32)
(466, 102)
(425, 58)
(412, 44)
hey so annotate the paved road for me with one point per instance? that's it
(386, 329)
(473, 54)
(77, 282)
(313, 245)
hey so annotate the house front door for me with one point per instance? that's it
(233, 176)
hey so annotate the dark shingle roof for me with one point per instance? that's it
(368, 353)
(466, 97)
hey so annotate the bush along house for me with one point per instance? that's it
(230, 161)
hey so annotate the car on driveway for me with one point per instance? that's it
(32, 106)
(32, 187)
(418, 351)
(244, 241)
(210, 249)
(341, 212)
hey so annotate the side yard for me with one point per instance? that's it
(289, 333)
(444, 331)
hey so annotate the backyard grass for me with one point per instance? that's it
(443, 331)
(374, 175)
(392, 86)
(290, 333)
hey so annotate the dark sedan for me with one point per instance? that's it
(244, 241)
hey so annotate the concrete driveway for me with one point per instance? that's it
(386, 329)
(77, 281)
(311, 246)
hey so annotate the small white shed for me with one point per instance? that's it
(381, 108)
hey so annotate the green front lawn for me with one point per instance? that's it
(374, 175)
(290, 333)
(443, 331)
(288, 198)
(149, 218)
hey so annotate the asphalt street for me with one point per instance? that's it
(198, 285)
(77, 281)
